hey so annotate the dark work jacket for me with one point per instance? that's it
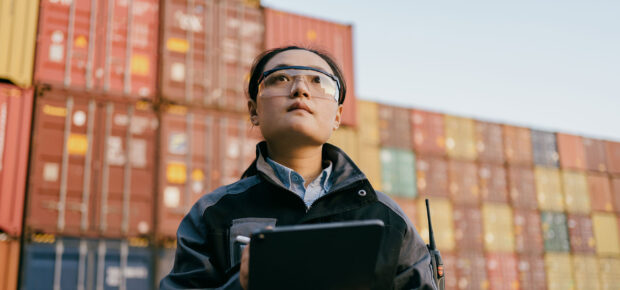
(208, 257)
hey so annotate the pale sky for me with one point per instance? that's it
(548, 65)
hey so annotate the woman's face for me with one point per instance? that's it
(296, 117)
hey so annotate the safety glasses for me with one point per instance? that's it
(279, 82)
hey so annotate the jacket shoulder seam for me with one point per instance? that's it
(210, 199)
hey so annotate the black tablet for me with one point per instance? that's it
(339, 255)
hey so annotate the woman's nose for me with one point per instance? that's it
(300, 89)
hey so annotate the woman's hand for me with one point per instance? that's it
(244, 271)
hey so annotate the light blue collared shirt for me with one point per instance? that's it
(295, 182)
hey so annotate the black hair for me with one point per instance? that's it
(261, 60)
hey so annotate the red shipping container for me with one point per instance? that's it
(15, 116)
(615, 193)
(107, 46)
(394, 130)
(612, 149)
(200, 151)
(517, 145)
(208, 49)
(432, 174)
(596, 159)
(600, 192)
(428, 133)
(284, 29)
(493, 183)
(581, 234)
(471, 271)
(528, 234)
(489, 142)
(531, 270)
(502, 271)
(449, 265)
(570, 148)
(522, 187)
(92, 167)
(468, 228)
(463, 182)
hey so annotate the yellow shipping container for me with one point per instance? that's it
(9, 262)
(606, 234)
(443, 224)
(549, 189)
(576, 196)
(346, 139)
(368, 121)
(370, 163)
(18, 32)
(559, 271)
(460, 140)
(498, 230)
(609, 270)
(585, 268)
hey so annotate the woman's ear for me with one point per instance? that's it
(338, 117)
(252, 110)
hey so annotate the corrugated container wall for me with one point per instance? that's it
(570, 148)
(443, 223)
(615, 193)
(600, 192)
(498, 228)
(346, 139)
(581, 234)
(432, 175)
(87, 264)
(585, 268)
(549, 189)
(532, 272)
(545, 149)
(613, 156)
(283, 29)
(606, 234)
(468, 228)
(596, 159)
(555, 231)
(559, 271)
(471, 271)
(92, 170)
(398, 172)
(18, 28)
(609, 269)
(369, 140)
(428, 132)
(493, 183)
(517, 145)
(528, 234)
(108, 46)
(199, 152)
(489, 142)
(576, 197)
(370, 163)
(463, 182)
(449, 262)
(208, 49)
(502, 271)
(9, 262)
(394, 130)
(408, 206)
(522, 187)
(460, 137)
(15, 117)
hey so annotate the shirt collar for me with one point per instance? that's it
(285, 174)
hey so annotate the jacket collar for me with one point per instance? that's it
(344, 170)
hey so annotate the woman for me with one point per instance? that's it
(296, 97)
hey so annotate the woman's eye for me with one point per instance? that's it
(281, 78)
(316, 79)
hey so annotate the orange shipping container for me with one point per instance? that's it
(9, 262)
(549, 189)
(463, 182)
(576, 195)
(528, 234)
(615, 193)
(489, 142)
(208, 49)
(581, 234)
(570, 148)
(596, 159)
(460, 137)
(92, 167)
(532, 272)
(15, 116)
(493, 183)
(612, 149)
(471, 271)
(468, 228)
(600, 192)
(428, 132)
(394, 129)
(522, 187)
(283, 29)
(432, 174)
(108, 46)
(517, 145)
(502, 271)
(200, 151)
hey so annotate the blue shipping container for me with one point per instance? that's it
(70, 263)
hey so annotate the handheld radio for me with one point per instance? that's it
(438, 273)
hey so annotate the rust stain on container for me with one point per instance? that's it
(394, 129)
(460, 137)
(581, 234)
(468, 228)
(522, 187)
(92, 170)
(528, 234)
(9, 262)
(283, 29)
(15, 116)
(571, 150)
(532, 272)
(428, 132)
(489, 142)
(600, 192)
(463, 182)
(596, 159)
(502, 271)
(517, 145)
(432, 175)
(493, 183)
(106, 46)
(612, 150)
